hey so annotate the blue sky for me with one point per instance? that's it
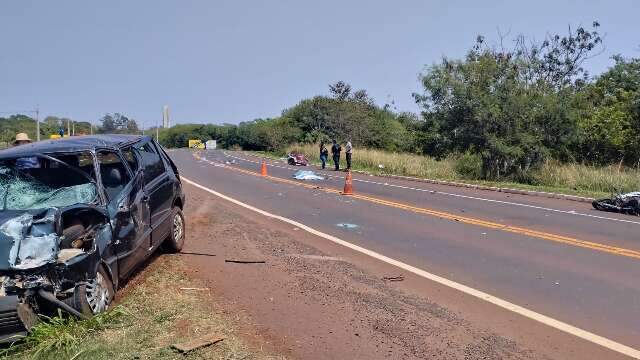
(230, 61)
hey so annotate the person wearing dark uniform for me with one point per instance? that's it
(335, 151)
(348, 149)
(324, 154)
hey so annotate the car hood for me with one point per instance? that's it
(28, 239)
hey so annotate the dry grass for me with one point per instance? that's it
(393, 163)
(154, 315)
(552, 176)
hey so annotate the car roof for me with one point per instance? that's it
(70, 144)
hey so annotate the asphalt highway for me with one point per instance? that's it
(556, 257)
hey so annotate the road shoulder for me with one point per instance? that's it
(310, 299)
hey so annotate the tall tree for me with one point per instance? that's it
(118, 124)
(510, 106)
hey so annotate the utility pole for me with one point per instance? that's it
(90, 127)
(73, 127)
(37, 123)
(69, 127)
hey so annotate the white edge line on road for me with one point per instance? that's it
(557, 324)
(568, 212)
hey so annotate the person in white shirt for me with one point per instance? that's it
(348, 150)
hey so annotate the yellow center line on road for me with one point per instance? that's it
(463, 219)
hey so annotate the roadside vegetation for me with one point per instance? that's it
(511, 111)
(552, 175)
(154, 314)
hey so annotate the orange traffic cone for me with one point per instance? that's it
(348, 184)
(263, 168)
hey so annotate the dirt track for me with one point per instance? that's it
(311, 301)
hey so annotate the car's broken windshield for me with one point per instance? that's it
(39, 182)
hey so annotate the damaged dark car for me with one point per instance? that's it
(77, 217)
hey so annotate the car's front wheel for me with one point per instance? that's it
(94, 296)
(175, 241)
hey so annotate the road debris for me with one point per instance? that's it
(316, 257)
(194, 289)
(200, 342)
(628, 203)
(297, 159)
(347, 226)
(393, 278)
(244, 261)
(195, 253)
(307, 175)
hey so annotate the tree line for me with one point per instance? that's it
(501, 111)
(115, 123)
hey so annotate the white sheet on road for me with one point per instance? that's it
(307, 175)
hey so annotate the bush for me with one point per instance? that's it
(469, 166)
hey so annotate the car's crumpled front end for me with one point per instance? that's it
(44, 255)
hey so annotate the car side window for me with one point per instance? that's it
(130, 157)
(151, 162)
(113, 173)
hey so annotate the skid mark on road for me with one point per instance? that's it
(614, 250)
(549, 321)
(502, 202)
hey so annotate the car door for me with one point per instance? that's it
(159, 189)
(130, 210)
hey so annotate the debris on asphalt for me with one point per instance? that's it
(628, 203)
(315, 257)
(347, 226)
(195, 253)
(200, 342)
(393, 278)
(307, 175)
(297, 159)
(194, 289)
(244, 261)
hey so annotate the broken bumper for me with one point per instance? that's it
(11, 326)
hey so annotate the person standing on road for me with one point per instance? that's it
(324, 154)
(335, 151)
(348, 149)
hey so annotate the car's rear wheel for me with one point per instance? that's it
(94, 296)
(175, 241)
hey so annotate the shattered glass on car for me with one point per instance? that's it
(24, 195)
(51, 184)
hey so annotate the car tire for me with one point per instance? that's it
(175, 240)
(94, 296)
